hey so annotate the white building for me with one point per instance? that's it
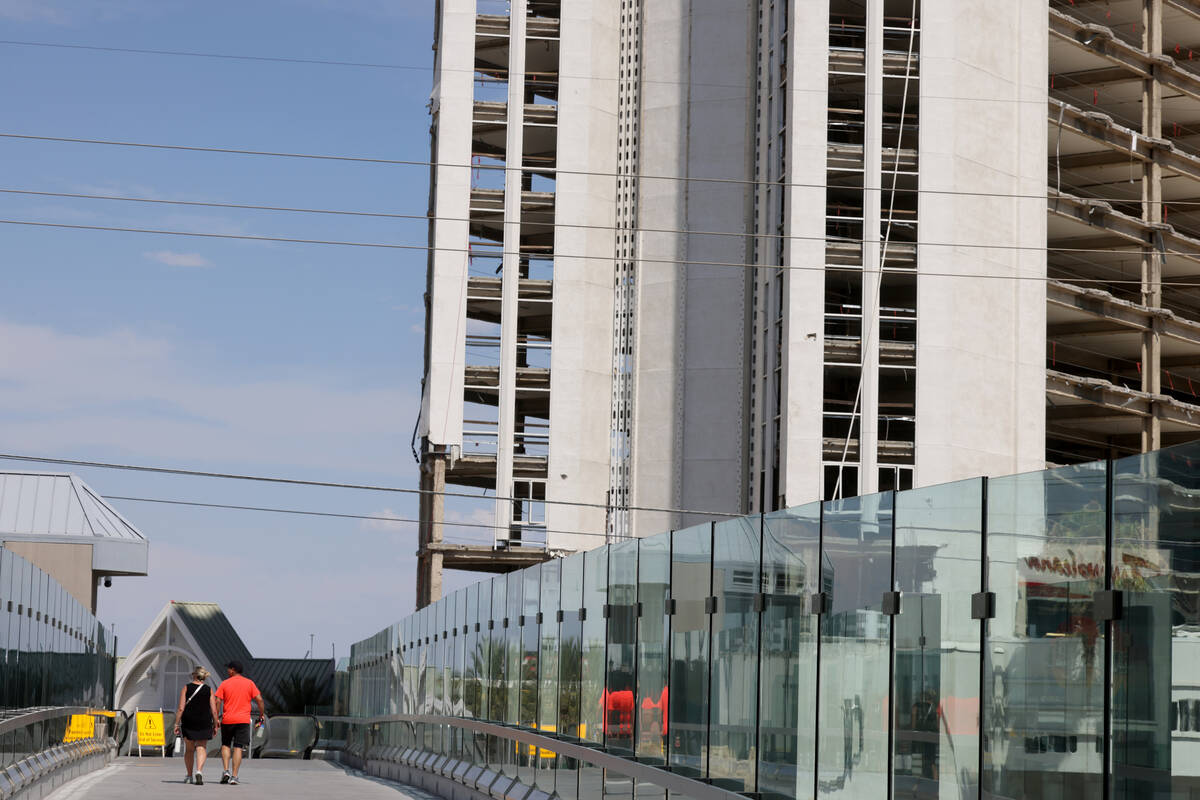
(736, 255)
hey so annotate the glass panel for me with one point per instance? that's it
(733, 696)
(654, 591)
(456, 644)
(1044, 674)
(595, 629)
(547, 718)
(788, 670)
(936, 672)
(497, 688)
(622, 640)
(1156, 642)
(497, 669)
(691, 586)
(855, 648)
(471, 661)
(512, 669)
(529, 646)
(569, 663)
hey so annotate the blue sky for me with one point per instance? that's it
(247, 357)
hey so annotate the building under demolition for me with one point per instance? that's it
(730, 256)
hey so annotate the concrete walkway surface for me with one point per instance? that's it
(155, 778)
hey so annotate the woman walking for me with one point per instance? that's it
(196, 722)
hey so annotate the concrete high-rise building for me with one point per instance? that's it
(734, 255)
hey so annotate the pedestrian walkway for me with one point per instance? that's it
(261, 779)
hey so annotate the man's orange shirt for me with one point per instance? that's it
(236, 694)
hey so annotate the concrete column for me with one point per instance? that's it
(510, 273)
(868, 404)
(1152, 213)
(432, 513)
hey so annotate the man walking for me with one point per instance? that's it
(235, 694)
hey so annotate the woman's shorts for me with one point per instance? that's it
(197, 734)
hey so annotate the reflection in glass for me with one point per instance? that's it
(855, 636)
(591, 681)
(936, 674)
(570, 662)
(530, 633)
(691, 589)
(52, 650)
(650, 702)
(1044, 678)
(788, 669)
(547, 718)
(497, 669)
(1156, 642)
(733, 696)
(622, 639)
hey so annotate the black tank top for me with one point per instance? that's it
(196, 713)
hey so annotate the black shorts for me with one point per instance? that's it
(235, 734)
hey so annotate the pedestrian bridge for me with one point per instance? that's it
(264, 779)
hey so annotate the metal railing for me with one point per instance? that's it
(368, 740)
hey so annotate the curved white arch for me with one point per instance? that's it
(130, 667)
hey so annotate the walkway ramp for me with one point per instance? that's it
(262, 779)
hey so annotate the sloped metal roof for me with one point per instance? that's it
(214, 634)
(41, 505)
(267, 673)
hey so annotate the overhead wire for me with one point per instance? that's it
(487, 167)
(74, 462)
(454, 70)
(386, 518)
(656, 260)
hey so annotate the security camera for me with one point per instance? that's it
(107, 582)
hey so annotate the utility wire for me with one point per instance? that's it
(330, 484)
(491, 167)
(558, 77)
(656, 260)
(332, 514)
(1076, 191)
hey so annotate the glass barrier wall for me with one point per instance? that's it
(1032, 636)
(53, 652)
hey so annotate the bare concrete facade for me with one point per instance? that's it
(1123, 357)
(735, 255)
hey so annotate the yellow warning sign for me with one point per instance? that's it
(81, 726)
(150, 731)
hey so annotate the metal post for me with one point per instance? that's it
(983, 627)
(1106, 775)
(817, 692)
(761, 610)
(891, 722)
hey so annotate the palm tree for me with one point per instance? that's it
(296, 694)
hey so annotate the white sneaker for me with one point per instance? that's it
(187, 778)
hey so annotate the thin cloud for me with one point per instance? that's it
(173, 259)
(387, 520)
(146, 400)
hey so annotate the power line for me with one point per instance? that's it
(558, 77)
(332, 514)
(578, 225)
(331, 484)
(229, 56)
(491, 167)
(656, 260)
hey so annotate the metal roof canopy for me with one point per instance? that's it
(58, 507)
